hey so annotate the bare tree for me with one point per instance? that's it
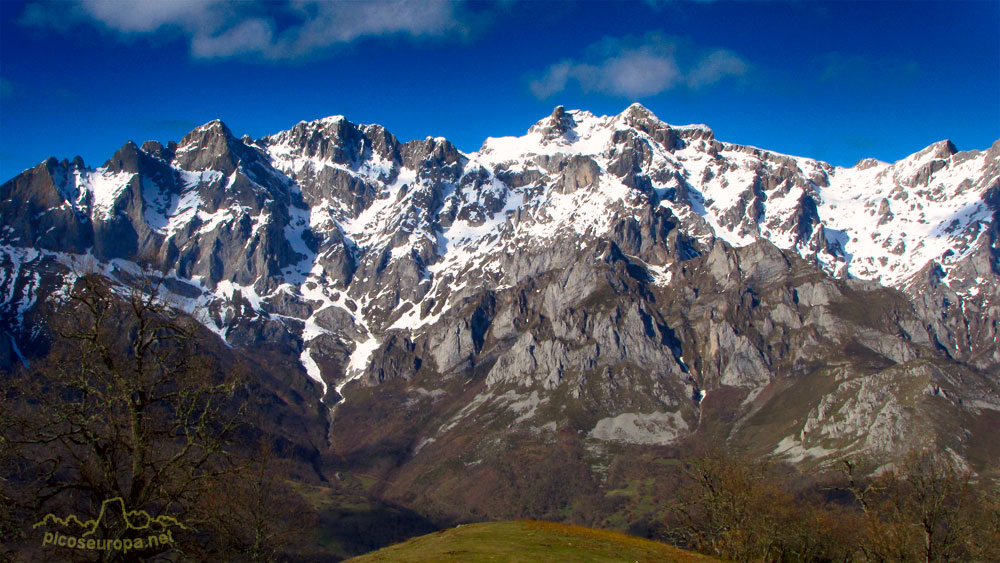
(742, 510)
(259, 516)
(926, 508)
(127, 406)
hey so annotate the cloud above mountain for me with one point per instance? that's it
(637, 67)
(261, 29)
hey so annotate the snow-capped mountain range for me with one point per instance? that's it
(358, 253)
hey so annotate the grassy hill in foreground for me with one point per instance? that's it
(529, 541)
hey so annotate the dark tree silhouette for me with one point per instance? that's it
(127, 405)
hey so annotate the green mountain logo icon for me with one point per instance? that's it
(112, 509)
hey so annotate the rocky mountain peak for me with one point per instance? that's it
(334, 141)
(126, 159)
(558, 125)
(867, 163)
(940, 149)
(214, 147)
(381, 142)
(216, 127)
(640, 118)
(157, 150)
(917, 169)
(638, 113)
(333, 138)
(436, 149)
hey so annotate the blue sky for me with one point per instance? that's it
(836, 81)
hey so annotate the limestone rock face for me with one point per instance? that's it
(619, 277)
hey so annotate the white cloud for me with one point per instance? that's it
(716, 66)
(139, 16)
(636, 67)
(327, 23)
(266, 29)
(636, 73)
(554, 80)
(241, 38)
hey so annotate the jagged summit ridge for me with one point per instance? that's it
(341, 225)
(737, 193)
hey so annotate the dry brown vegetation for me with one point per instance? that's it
(923, 507)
